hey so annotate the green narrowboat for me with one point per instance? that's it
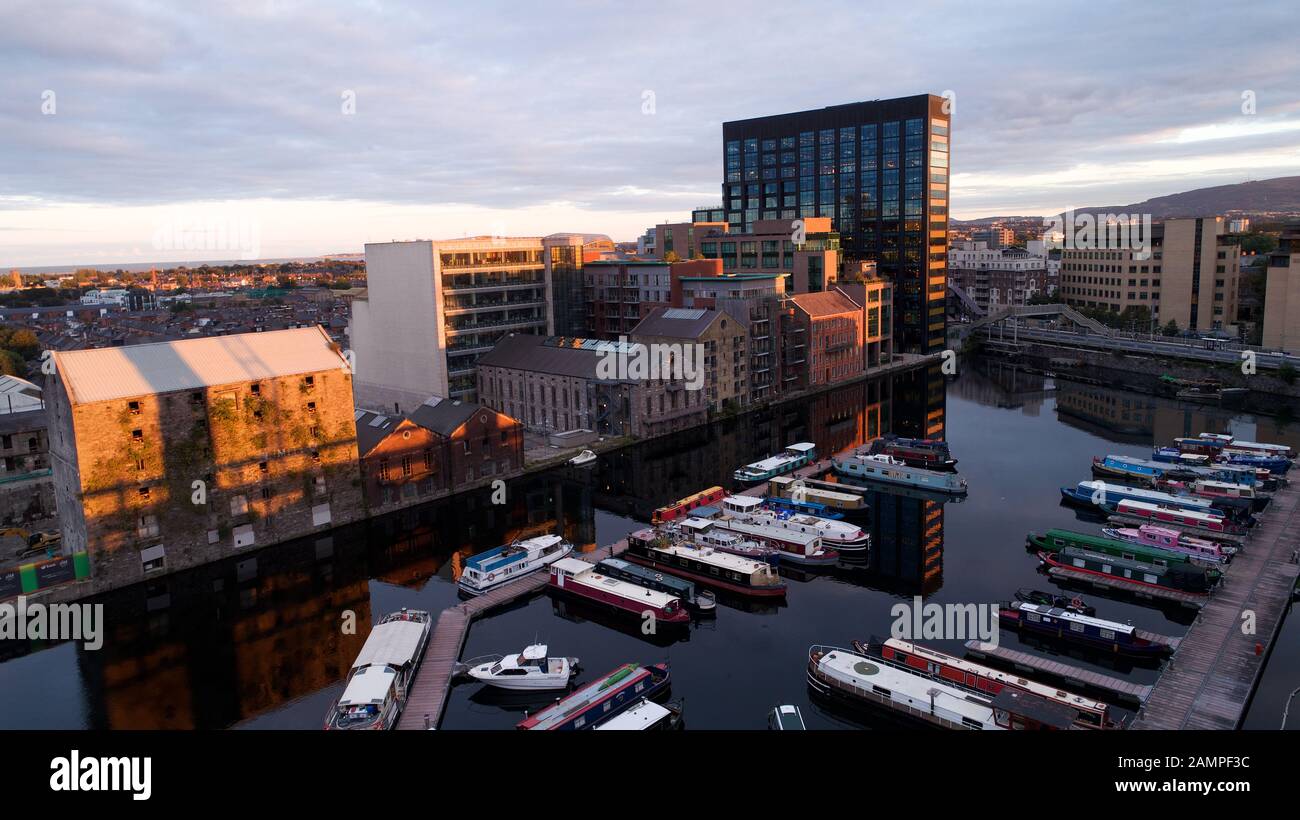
(1056, 540)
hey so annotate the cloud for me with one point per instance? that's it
(499, 107)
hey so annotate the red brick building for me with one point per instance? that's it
(441, 446)
(832, 325)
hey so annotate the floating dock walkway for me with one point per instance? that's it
(1191, 600)
(1213, 674)
(428, 696)
(1060, 673)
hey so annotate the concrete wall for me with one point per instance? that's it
(396, 331)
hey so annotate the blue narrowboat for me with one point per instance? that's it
(1100, 493)
(778, 504)
(1055, 622)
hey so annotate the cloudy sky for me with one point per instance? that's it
(123, 122)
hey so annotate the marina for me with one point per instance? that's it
(921, 544)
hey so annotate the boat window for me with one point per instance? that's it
(1033, 616)
(1150, 579)
(1108, 634)
(972, 723)
(1076, 627)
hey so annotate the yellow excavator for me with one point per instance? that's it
(33, 542)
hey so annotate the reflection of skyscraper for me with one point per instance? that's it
(907, 525)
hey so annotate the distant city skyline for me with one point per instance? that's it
(117, 124)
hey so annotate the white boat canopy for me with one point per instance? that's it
(535, 652)
(368, 686)
(392, 643)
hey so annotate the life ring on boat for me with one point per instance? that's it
(492, 576)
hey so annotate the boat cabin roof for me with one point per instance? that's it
(1034, 707)
(572, 566)
(394, 643)
(535, 652)
(699, 518)
(1067, 615)
(642, 716)
(742, 502)
(802, 447)
(369, 685)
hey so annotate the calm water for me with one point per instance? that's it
(255, 641)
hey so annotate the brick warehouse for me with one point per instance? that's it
(263, 420)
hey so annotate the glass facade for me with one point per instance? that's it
(879, 170)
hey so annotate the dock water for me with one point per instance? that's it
(428, 698)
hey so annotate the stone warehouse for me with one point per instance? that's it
(170, 455)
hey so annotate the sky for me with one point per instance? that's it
(293, 128)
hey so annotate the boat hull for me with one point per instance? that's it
(774, 591)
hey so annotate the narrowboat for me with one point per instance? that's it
(1278, 465)
(777, 504)
(598, 701)
(786, 718)
(890, 470)
(794, 544)
(1111, 636)
(795, 489)
(871, 682)
(527, 671)
(843, 537)
(1209, 523)
(787, 461)
(1165, 538)
(707, 567)
(1102, 494)
(703, 534)
(645, 716)
(1190, 578)
(583, 580)
(382, 673)
(1255, 446)
(1088, 713)
(1036, 596)
(916, 452)
(491, 569)
(700, 600)
(682, 508)
(1237, 497)
(1147, 471)
(1056, 540)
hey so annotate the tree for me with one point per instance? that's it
(1287, 373)
(1171, 329)
(11, 364)
(671, 256)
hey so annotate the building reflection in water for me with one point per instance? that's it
(218, 644)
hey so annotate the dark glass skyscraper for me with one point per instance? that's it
(879, 170)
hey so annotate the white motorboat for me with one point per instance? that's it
(585, 457)
(528, 670)
(383, 673)
(502, 565)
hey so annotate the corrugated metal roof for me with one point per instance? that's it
(138, 370)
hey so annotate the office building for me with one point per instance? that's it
(1282, 294)
(879, 170)
(1189, 275)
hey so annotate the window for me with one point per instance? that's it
(147, 526)
(309, 382)
(135, 407)
(311, 407)
(264, 468)
(152, 559)
(267, 492)
(137, 436)
(255, 389)
(144, 493)
(238, 505)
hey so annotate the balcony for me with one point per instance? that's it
(499, 284)
(458, 310)
(497, 325)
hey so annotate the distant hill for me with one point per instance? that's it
(1278, 197)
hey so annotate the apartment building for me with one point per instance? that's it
(830, 330)
(996, 277)
(724, 342)
(619, 293)
(879, 170)
(433, 307)
(806, 255)
(1282, 294)
(1190, 275)
(173, 454)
